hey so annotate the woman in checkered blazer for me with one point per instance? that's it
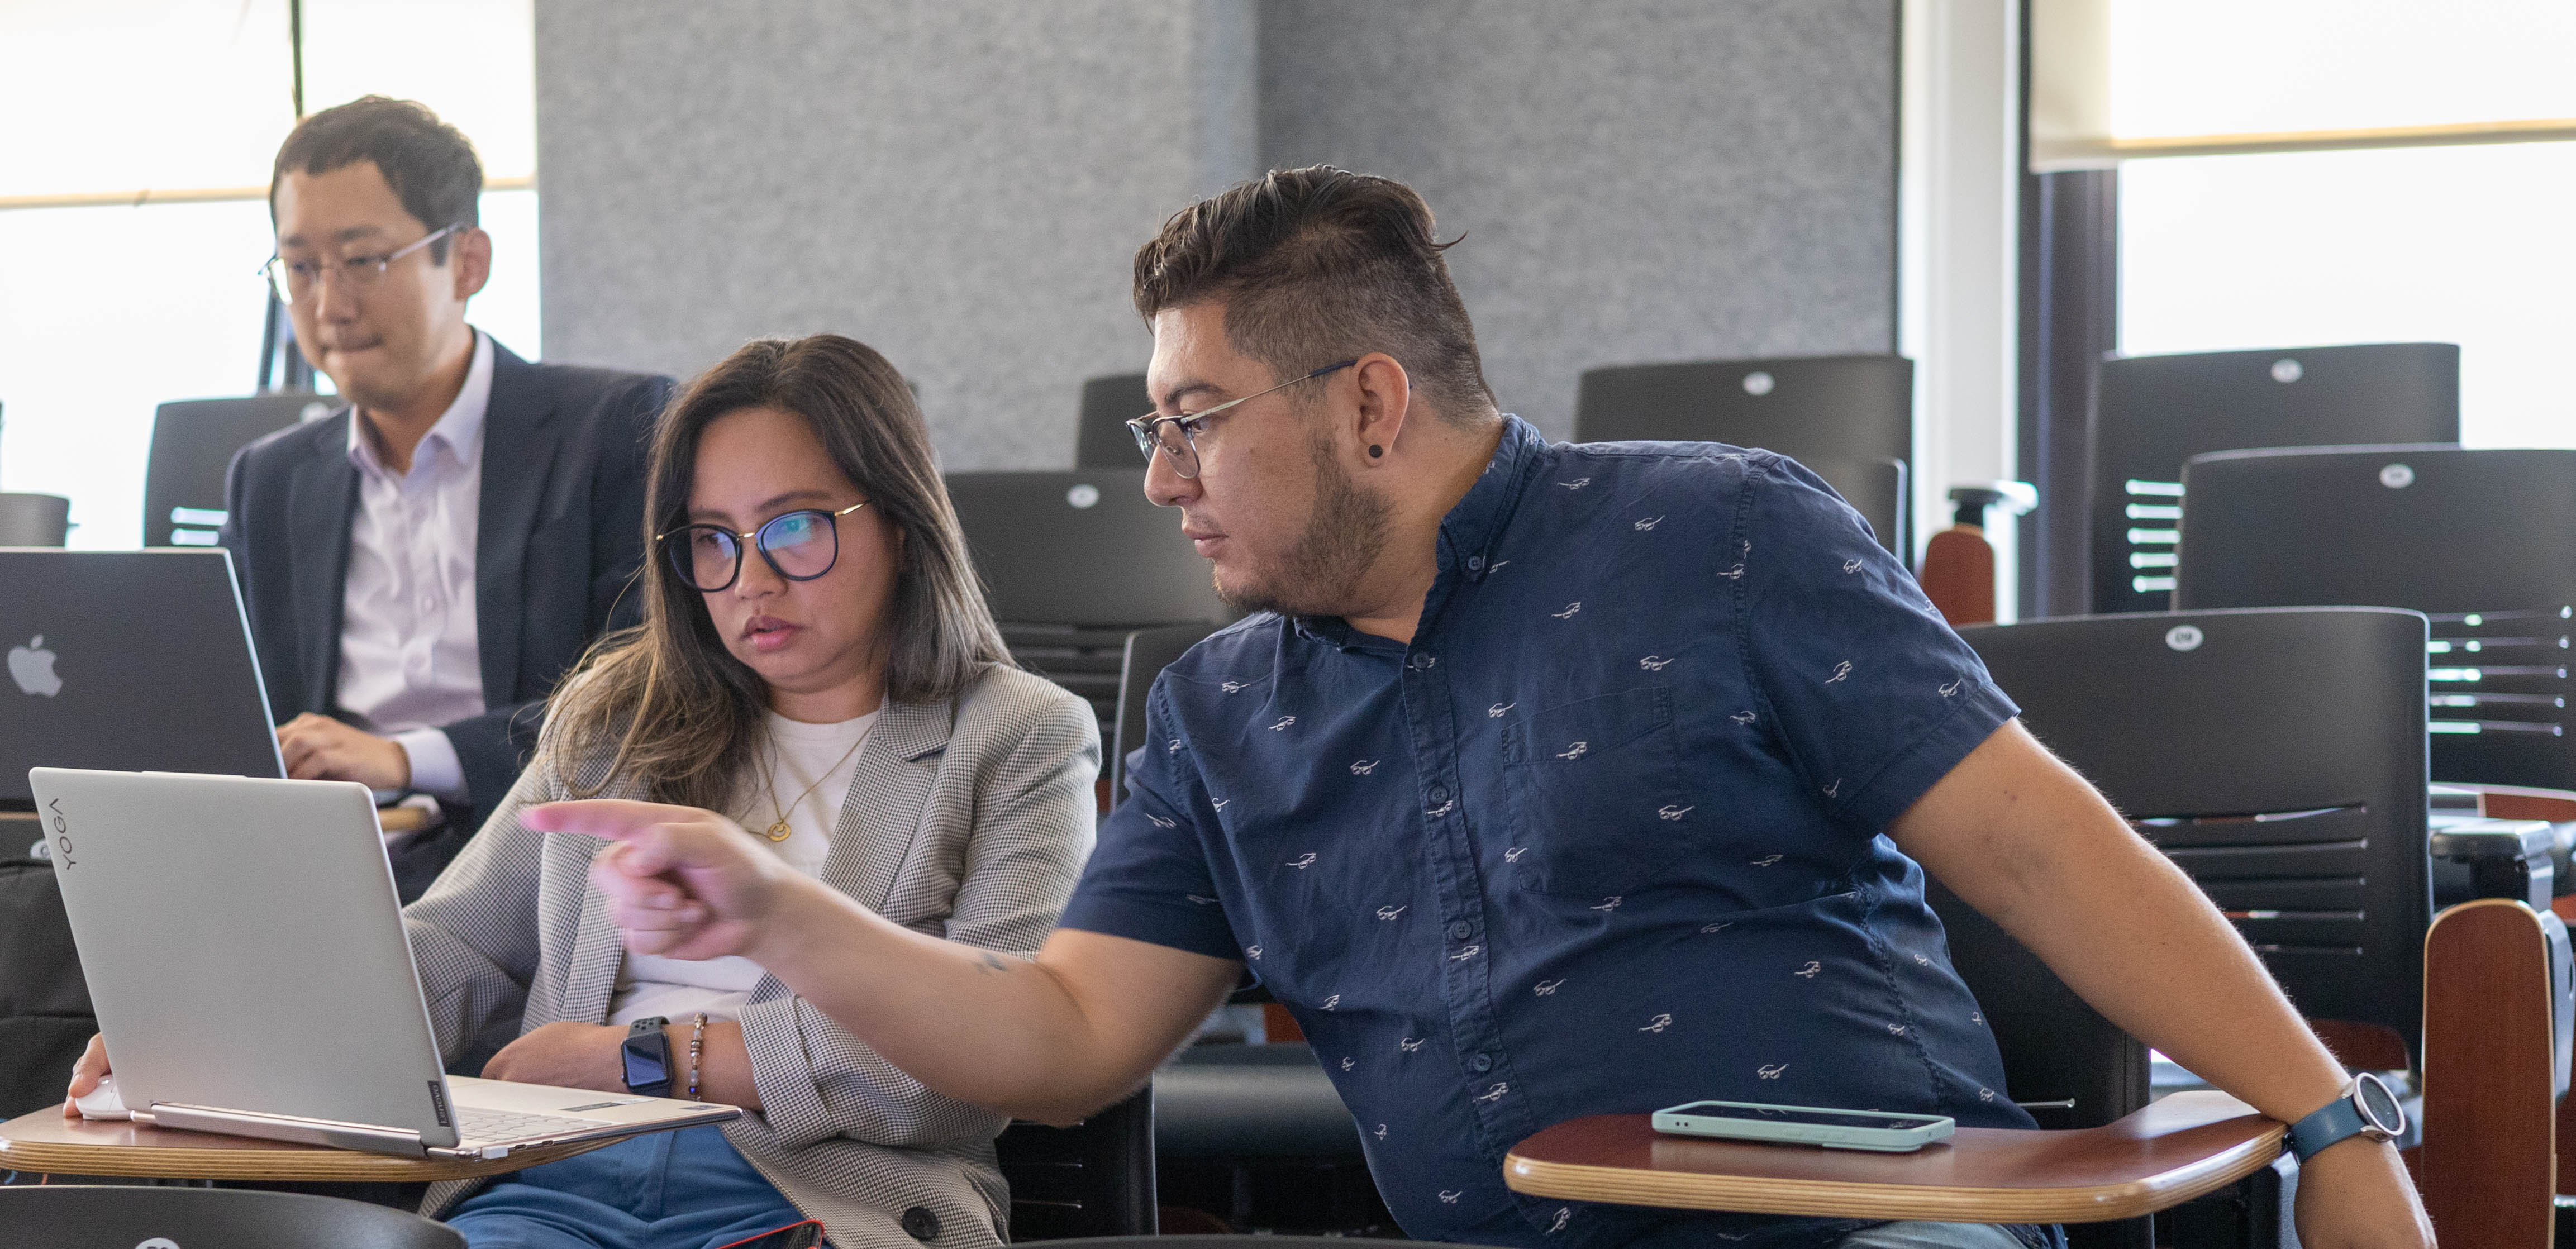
(817, 665)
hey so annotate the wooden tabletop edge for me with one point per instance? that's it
(1779, 1195)
(284, 1163)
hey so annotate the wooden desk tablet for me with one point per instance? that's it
(2172, 1151)
(46, 1143)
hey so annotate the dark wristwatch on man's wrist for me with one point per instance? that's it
(646, 1052)
(2366, 1107)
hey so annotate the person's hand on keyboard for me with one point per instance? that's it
(319, 748)
(566, 1054)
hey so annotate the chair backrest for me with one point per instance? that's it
(1108, 403)
(2277, 757)
(1848, 411)
(1804, 407)
(1095, 1178)
(1149, 651)
(34, 519)
(2157, 411)
(1072, 562)
(2067, 1065)
(193, 441)
(84, 1216)
(2483, 542)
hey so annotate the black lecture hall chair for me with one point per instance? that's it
(87, 1216)
(1073, 563)
(193, 441)
(1850, 419)
(2157, 411)
(2482, 541)
(1095, 1178)
(2277, 757)
(1108, 403)
(34, 519)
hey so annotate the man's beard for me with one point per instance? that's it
(1320, 575)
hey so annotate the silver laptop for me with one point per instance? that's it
(247, 961)
(127, 659)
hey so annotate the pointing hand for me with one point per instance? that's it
(681, 882)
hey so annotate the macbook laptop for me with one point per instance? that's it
(246, 958)
(127, 659)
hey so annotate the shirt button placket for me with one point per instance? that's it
(1464, 978)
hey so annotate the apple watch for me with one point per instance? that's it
(2365, 1108)
(647, 1054)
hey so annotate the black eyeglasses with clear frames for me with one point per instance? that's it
(1177, 436)
(800, 546)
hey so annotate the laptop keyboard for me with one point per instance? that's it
(484, 1124)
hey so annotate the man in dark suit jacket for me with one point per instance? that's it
(423, 565)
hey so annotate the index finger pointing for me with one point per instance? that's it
(615, 819)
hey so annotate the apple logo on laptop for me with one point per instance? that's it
(32, 667)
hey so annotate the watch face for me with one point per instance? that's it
(647, 1061)
(2379, 1105)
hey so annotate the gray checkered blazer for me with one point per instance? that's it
(966, 820)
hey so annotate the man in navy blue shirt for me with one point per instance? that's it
(1543, 781)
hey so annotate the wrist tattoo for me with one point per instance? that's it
(993, 962)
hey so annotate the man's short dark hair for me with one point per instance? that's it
(1317, 265)
(430, 165)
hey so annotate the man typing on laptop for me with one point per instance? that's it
(421, 565)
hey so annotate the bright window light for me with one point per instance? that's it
(107, 313)
(2466, 245)
(473, 62)
(126, 95)
(2210, 67)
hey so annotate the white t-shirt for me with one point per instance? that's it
(819, 757)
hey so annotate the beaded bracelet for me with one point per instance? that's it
(697, 1046)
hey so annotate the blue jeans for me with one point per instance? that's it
(688, 1189)
(1937, 1236)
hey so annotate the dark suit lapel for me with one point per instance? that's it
(321, 502)
(519, 436)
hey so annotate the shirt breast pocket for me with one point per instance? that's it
(1598, 804)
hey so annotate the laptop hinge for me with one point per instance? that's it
(281, 1128)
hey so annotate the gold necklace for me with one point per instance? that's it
(778, 830)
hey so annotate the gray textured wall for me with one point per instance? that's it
(1640, 180)
(962, 183)
(959, 183)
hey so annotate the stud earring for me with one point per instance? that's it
(1376, 451)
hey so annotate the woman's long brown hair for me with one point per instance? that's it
(683, 713)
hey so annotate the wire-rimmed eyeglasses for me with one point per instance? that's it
(296, 280)
(800, 546)
(1177, 436)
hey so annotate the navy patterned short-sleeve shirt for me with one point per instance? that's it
(1606, 837)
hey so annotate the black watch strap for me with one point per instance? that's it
(646, 1054)
(2347, 1116)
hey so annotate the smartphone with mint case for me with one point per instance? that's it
(1805, 1125)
